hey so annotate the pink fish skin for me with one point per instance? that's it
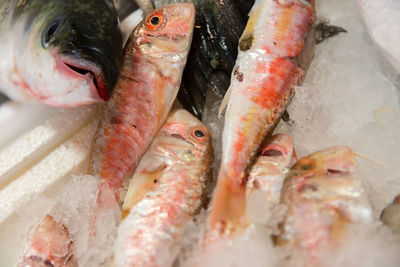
(154, 59)
(167, 190)
(270, 63)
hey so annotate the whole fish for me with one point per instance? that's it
(324, 196)
(61, 53)
(167, 190)
(49, 245)
(391, 215)
(271, 166)
(154, 58)
(274, 52)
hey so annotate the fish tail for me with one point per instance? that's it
(228, 209)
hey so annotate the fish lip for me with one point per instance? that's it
(82, 68)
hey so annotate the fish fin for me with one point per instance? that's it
(228, 209)
(295, 154)
(225, 101)
(376, 161)
(139, 186)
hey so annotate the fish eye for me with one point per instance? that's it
(155, 21)
(198, 134)
(50, 31)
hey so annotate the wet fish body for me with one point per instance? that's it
(155, 56)
(270, 63)
(61, 53)
(167, 190)
(324, 196)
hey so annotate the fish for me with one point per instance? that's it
(154, 58)
(60, 53)
(324, 196)
(391, 216)
(49, 245)
(275, 51)
(271, 166)
(168, 188)
(380, 19)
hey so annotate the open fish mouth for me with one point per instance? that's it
(81, 69)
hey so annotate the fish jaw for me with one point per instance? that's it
(262, 86)
(324, 196)
(48, 37)
(49, 244)
(166, 191)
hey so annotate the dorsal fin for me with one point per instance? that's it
(225, 101)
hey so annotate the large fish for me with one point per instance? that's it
(58, 52)
(154, 58)
(275, 50)
(324, 196)
(167, 190)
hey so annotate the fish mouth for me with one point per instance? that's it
(81, 69)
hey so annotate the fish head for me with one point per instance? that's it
(277, 151)
(70, 52)
(335, 160)
(188, 138)
(166, 33)
(325, 175)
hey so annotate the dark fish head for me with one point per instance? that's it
(72, 50)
